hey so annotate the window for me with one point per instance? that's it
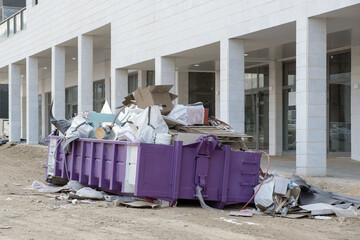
(47, 113)
(71, 104)
(339, 102)
(17, 23)
(150, 78)
(23, 19)
(35, 2)
(257, 106)
(4, 101)
(3, 31)
(98, 95)
(10, 26)
(40, 115)
(257, 77)
(202, 89)
(132, 82)
(289, 108)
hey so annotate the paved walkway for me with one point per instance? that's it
(337, 167)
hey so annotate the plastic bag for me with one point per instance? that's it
(264, 198)
(195, 114)
(179, 113)
(351, 212)
(79, 125)
(79, 129)
(87, 192)
(149, 123)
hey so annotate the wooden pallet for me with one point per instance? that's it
(233, 138)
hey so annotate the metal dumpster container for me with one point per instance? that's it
(167, 172)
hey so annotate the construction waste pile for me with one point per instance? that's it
(155, 149)
(152, 153)
(294, 198)
(149, 116)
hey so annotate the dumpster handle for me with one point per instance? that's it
(202, 139)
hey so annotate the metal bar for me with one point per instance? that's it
(176, 172)
(113, 168)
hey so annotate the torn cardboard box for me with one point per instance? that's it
(186, 138)
(153, 95)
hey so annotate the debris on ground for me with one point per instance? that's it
(233, 221)
(294, 198)
(75, 193)
(170, 152)
(5, 227)
(241, 213)
(3, 141)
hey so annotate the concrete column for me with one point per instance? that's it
(182, 88)
(311, 96)
(85, 73)
(217, 94)
(275, 108)
(355, 99)
(32, 109)
(23, 107)
(232, 87)
(119, 87)
(108, 82)
(176, 87)
(165, 71)
(58, 81)
(14, 103)
(142, 78)
(43, 111)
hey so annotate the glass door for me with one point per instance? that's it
(339, 103)
(339, 117)
(257, 106)
(202, 89)
(250, 118)
(289, 107)
(263, 120)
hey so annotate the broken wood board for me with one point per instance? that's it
(322, 212)
(212, 130)
(241, 213)
(226, 137)
(139, 204)
(296, 216)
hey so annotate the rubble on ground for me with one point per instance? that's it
(149, 116)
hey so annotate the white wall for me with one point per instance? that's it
(100, 72)
(146, 29)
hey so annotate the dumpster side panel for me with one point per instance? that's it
(154, 170)
(92, 162)
(213, 178)
(187, 175)
(243, 175)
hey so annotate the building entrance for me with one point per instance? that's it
(257, 106)
(339, 103)
(202, 89)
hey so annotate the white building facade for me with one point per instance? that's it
(285, 72)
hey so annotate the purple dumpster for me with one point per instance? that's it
(167, 172)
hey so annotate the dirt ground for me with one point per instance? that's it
(28, 214)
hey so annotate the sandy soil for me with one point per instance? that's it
(27, 214)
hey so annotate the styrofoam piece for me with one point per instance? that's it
(130, 171)
(281, 185)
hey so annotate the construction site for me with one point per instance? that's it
(179, 119)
